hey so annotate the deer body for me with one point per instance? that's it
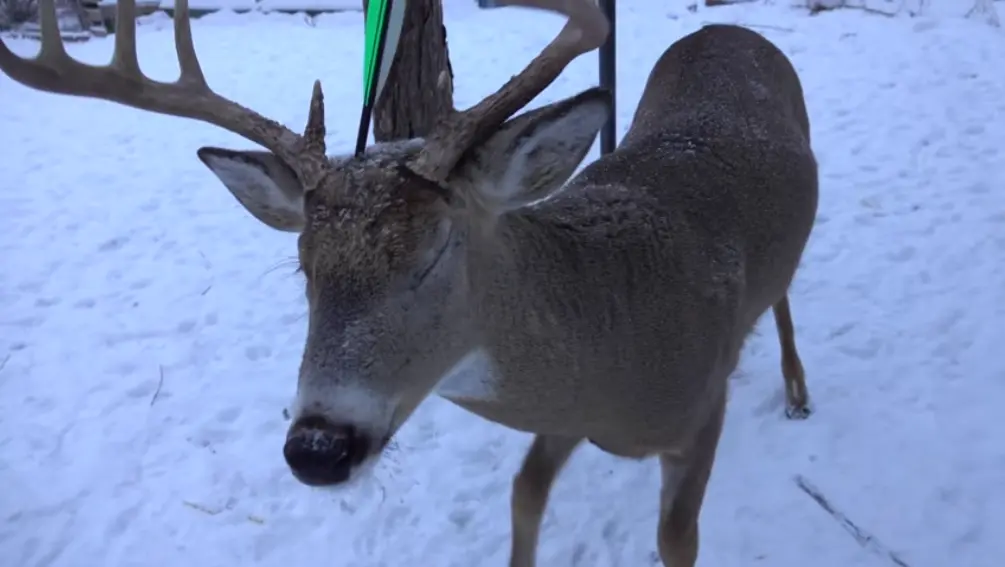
(611, 308)
(585, 305)
(617, 309)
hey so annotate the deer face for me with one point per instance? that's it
(381, 245)
(383, 254)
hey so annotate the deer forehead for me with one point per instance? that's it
(365, 234)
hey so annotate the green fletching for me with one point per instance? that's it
(375, 22)
(384, 21)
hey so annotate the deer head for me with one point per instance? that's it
(382, 235)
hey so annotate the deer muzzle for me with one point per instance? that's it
(320, 453)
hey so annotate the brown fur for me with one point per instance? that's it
(616, 310)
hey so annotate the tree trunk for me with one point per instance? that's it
(420, 86)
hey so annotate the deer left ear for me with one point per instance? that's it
(262, 183)
(531, 156)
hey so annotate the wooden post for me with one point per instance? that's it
(420, 85)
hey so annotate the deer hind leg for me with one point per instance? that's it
(683, 491)
(797, 398)
(545, 459)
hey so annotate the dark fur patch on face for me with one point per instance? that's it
(365, 225)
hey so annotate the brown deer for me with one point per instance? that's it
(611, 308)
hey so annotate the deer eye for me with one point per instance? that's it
(431, 257)
(302, 255)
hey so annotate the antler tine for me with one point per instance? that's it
(52, 43)
(313, 162)
(188, 61)
(43, 71)
(124, 56)
(585, 30)
(123, 82)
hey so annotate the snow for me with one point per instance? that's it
(150, 329)
(263, 5)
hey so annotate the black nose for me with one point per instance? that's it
(321, 453)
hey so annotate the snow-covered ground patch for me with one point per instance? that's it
(264, 5)
(150, 329)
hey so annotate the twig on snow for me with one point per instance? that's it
(205, 261)
(204, 509)
(816, 7)
(714, 3)
(985, 9)
(3, 363)
(160, 384)
(862, 537)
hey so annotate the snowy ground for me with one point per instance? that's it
(150, 329)
(266, 5)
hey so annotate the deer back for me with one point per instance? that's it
(617, 309)
(723, 134)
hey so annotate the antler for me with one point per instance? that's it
(122, 82)
(585, 30)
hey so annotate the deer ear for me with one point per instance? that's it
(531, 156)
(262, 183)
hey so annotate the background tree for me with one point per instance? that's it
(420, 85)
(15, 12)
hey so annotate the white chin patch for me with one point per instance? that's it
(473, 378)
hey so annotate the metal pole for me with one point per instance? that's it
(608, 78)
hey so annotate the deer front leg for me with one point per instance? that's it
(544, 460)
(683, 491)
(796, 396)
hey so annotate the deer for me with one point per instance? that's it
(475, 264)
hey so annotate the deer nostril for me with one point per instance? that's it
(320, 453)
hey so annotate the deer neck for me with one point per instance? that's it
(509, 276)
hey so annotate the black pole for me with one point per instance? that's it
(608, 78)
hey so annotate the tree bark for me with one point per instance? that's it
(420, 86)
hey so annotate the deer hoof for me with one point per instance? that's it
(798, 411)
